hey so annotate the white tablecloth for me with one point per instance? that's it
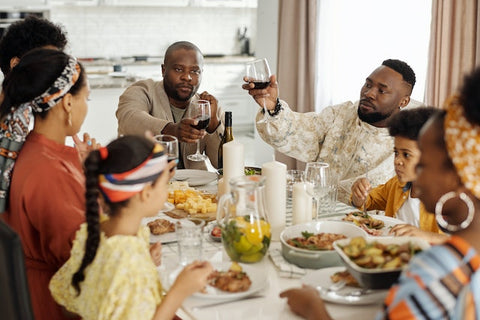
(270, 305)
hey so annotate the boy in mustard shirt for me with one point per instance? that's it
(397, 197)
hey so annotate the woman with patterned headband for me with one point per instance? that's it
(45, 193)
(121, 281)
(444, 281)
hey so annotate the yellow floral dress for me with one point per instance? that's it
(122, 281)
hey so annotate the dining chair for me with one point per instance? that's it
(14, 294)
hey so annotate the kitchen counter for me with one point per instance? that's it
(101, 75)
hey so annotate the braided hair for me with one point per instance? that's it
(124, 154)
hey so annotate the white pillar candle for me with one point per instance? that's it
(276, 195)
(233, 155)
(301, 203)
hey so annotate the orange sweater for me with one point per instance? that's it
(390, 196)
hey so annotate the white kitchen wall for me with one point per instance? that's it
(110, 31)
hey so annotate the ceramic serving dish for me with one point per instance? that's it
(376, 278)
(316, 259)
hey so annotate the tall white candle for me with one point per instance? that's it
(301, 203)
(233, 164)
(276, 195)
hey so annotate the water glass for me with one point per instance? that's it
(323, 187)
(293, 176)
(190, 240)
(170, 145)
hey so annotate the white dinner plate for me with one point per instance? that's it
(346, 295)
(256, 272)
(389, 222)
(167, 207)
(166, 237)
(195, 177)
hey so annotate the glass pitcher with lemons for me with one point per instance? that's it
(242, 217)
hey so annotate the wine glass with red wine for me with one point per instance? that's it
(199, 110)
(258, 72)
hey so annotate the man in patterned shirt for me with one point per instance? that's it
(351, 137)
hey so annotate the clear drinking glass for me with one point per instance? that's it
(317, 174)
(258, 72)
(199, 110)
(189, 240)
(170, 145)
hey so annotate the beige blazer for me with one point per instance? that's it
(145, 106)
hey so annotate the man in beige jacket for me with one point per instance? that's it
(160, 106)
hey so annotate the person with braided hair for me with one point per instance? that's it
(121, 281)
(442, 282)
(41, 181)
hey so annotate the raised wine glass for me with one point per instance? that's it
(258, 72)
(200, 111)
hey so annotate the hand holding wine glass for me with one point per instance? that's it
(199, 111)
(258, 73)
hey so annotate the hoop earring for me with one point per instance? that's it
(439, 211)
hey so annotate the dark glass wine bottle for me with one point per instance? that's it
(227, 137)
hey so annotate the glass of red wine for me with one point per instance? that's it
(170, 145)
(200, 111)
(258, 72)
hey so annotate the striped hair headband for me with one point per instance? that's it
(117, 187)
(59, 88)
(463, 145)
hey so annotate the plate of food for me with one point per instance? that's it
(376, 263)
(373, 224)
(248, 171)
(167, 207)
(233, 281)
(162, 228)
(336, 284)
(192, 203)
(195, 177)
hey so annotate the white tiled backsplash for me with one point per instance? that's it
(109, 31)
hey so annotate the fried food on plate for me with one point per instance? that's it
(161, 226)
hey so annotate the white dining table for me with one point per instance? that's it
(266, 303)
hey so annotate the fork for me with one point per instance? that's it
(334, 287)
(365, 163)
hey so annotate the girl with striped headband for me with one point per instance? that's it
(442, 282)
(45, 188)
(121, 281)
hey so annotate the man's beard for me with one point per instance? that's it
(172, 93)
(373, 117)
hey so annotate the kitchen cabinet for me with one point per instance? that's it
(224, 81)
(74, 2)
(101, 122)
(225, 3)
(22, 3)
(158, 3)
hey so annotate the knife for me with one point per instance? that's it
(202, 306)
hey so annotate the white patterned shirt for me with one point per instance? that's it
(335, 135)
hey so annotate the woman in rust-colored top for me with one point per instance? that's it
(47, 189)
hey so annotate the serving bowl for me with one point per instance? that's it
(316, 259)
(376, 278)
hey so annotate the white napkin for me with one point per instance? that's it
(285, 269)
